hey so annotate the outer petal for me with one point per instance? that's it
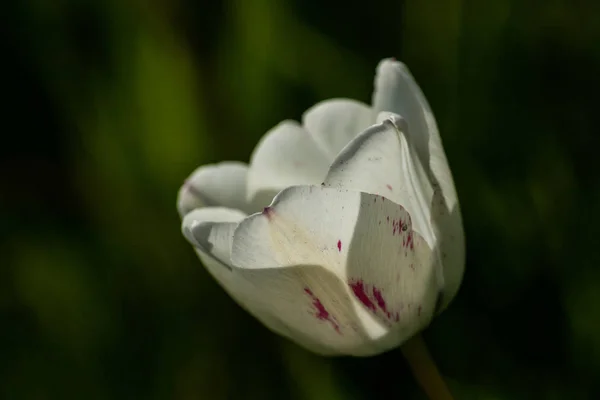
(451, 245)
(285, 156)
(342, 268)
(381, 161)
(210, 231)
(397, 91)
(222, 184)
(334, 123)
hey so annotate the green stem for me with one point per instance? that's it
(424, 369)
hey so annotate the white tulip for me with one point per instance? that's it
(362, 243)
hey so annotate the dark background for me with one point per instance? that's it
(109, 104)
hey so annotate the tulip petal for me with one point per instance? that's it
(214, 185)
(334, 123)
(397, 91)
(286, 155)
(210, 231)
(451, 245)
(381, 161)
(363, 240)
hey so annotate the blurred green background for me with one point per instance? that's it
(110, 104)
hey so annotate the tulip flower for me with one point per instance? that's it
(344, 233)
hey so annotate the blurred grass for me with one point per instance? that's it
(112, 104)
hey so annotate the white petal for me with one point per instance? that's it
(334, 123)
(210, 231)
(397, 91)
(285, 156)
(215, 185)
(451, 245)
(381, 161)
(341, 268)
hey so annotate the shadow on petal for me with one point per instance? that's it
(392, 271)
(308, 304)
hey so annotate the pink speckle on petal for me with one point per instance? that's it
(409, 241)
(322, 313)
(372, 298)
(339, 245)
(268, 212)
(380, 301)
(358, 288)
(389, 186)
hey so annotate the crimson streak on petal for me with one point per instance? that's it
(322, 314)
